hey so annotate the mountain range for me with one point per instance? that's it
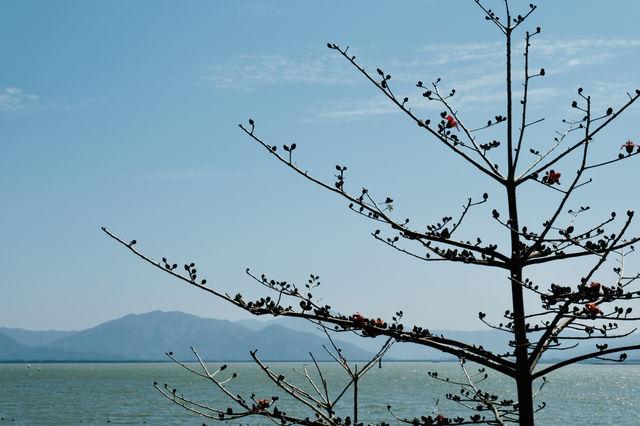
(147, 337)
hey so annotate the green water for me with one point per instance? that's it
(70, 394)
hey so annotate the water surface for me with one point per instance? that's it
(69, 394)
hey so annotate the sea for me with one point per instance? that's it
(123, 393)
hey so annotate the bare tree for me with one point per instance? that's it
(568, 314)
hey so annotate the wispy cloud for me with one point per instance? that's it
(474, 69)
(347, 110)
(251, 71)
(573, 48)
(558, 56)
(565, 55)
(13, 99)
(473, 83)
(464, 52)
(569, 51)
(612, 94)
(479, 96)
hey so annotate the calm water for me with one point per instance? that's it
(70, 394)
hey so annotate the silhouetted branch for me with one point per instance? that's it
(583, 358)
(590, 136)
(421, 123)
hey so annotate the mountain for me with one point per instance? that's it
(34, 338)
(490, 339)
(147, 337)
(12, 351)
(493, 340)
(298, 324)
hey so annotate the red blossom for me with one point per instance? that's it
(591, 308)
(551, 177)
(379, 322)
(629, 146)
(264, 403)
(440, 419)
(359, 319)
(595, 285)
(451, 122)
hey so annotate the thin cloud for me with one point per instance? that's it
(351, 110)
(573, 48)
(568, 54)
(464, 52)
(557, 55)
(348, 110)
(13, 99)
(475, 83)
(476, 68)
(251, 71)
(611, 94)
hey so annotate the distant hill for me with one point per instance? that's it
(34, 338)
(490, 339)
(147, 337)
(493, 340)
(12, 350)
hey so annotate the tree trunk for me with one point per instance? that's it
(523, 377)
(523, 374)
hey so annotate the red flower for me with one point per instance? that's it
(440, 419)
(451, 123)
(595, 285)
(379, 322)
(551, 177)
(629, 146)
(359, 319)
(590, 308)
(264, 403)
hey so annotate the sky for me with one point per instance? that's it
(125, 115)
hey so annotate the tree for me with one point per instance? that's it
(580, 311)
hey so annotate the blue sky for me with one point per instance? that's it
(124, 114)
